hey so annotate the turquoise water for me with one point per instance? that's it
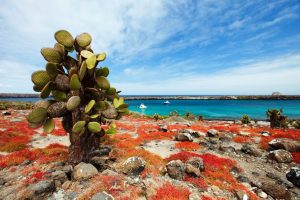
(210, 109)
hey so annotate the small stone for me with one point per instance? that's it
(183, 137)
(212, 133)
(281, 156)
(42, 187)
(6, 113)
(196, 162)
(84, 171)
(286, 144)
(99, 163)
(243, 179)
(265, 133)
(176, 169)
(2, 182)
(275, 190)
(294, 176)
(66, 185)
(163, 127)
(133, 166)
(240, 195)
(59, 176)
(262, 194)
(190, 169)
(247, 149)
(102, 196)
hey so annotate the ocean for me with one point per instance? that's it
(210, 109)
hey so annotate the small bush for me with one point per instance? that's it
(246, 119)
(277, 119)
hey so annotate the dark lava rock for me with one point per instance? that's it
(42, 187)
(6, 113)
(286, 144)
(247, 149)
(275, 190)
(133, 166)
(196, 162)
(176, 169)
(163, 127)
(183, 136)
(212, 133)
(281, 156)
(294, 176)
(102, 196)
(99, 163)
(243, 179)
(60, 176)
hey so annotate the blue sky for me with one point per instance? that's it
(162, 47)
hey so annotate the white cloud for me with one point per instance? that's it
(260, 77)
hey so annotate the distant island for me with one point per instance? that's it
(274, 96)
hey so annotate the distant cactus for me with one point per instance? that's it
(276, 118)
(245, 119)
(81, 93)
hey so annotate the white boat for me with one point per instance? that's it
(167, 102)
(142, 106)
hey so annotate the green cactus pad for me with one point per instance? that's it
(73, 103)
(38, 115)
(46, 90)
(37, 88)
(51, 55)
(83, 40)
(74, 82)
(118, 102)
(102, 72)
(42, 104)
(94, 127)
(86, 53)
(111, 91)
(82, 71)
(102, 83)
(60, 48)
(40, 78)
(101, 105)
(51, 69)
(89, 106)
(59, 95)
(101, 57)
(78, 127)
(49, 125)
(94, 116)
(64, 38)
(123, 110)
(91, 62)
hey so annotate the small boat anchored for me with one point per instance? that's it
(142, 106)
(167, 102)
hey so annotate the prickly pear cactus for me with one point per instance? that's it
(77, 90)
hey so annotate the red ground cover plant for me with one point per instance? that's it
(190, 146)
(217, 171)
(171, 192)
(15, 137)
(36, 177)
(125, 126)
(296, 157)
(114, 185)
(197, 182)
(243, 139)
(53, 152)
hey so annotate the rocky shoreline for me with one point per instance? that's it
(179, 97)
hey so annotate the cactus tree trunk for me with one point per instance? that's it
(84, 146)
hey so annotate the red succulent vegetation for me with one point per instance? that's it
(171, 192)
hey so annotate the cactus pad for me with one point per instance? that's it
(78, 127)
(83, 40)
(51, 55)
(102, 72)
(91, 62)
(94, 127)
(59, 95)
(73, 103)
(40, 78)
(51, 69)
(89, 106)
(57, 109)
(102, 83)
(101, 57)
(86, 54)
(64, 38)
(75, 83)
(38, 115)
(46, 90)
(62, 82)
(82, 71)
(49, 125)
